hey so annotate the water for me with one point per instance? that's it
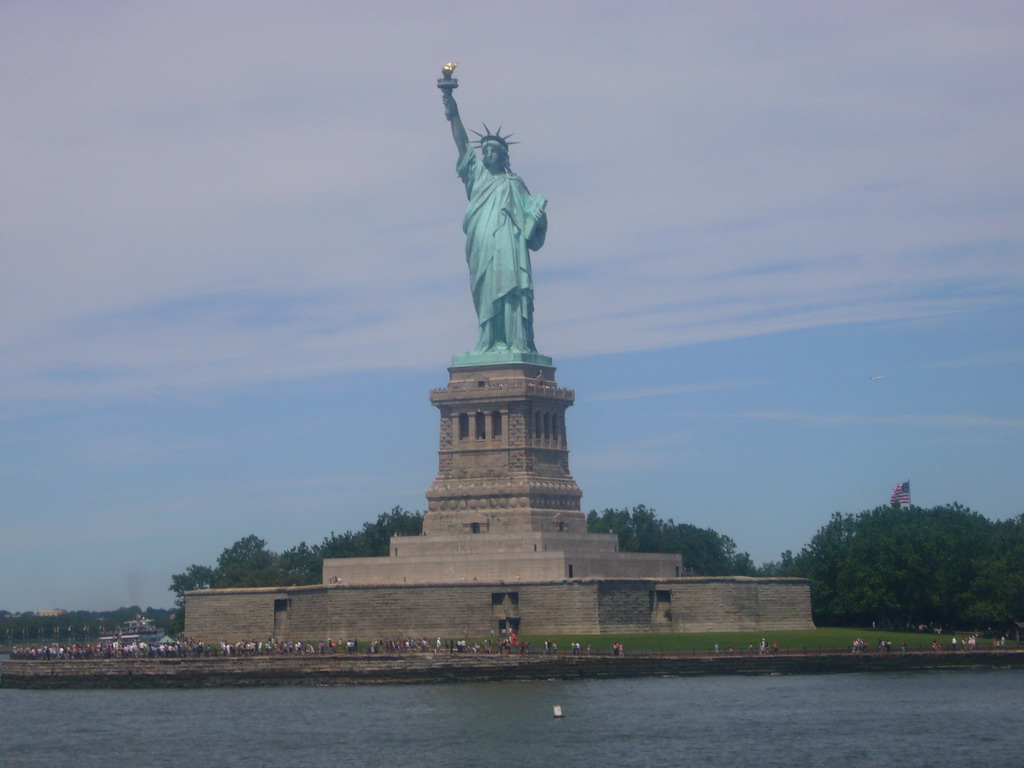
(961, 718)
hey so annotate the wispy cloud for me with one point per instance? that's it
(711, 386)
(947, 420)
(657, 452)
(997, 358)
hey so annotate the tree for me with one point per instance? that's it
(374, 538)
(301, 564)
(248, 563)
(999, 582)
(704, 551)
(947, 566)
(784, 566)
(193, 577)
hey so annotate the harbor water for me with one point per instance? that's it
(961, 718)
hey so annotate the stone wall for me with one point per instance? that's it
(585, 606)
(558, 608)
(230, 615)
(624, 606)
(573, 558)
(739, 603)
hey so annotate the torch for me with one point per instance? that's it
(446, 82)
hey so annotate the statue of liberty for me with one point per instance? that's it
(503, 223)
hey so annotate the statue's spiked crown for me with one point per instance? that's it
(494, 136)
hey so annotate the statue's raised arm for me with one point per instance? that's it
(451, 111)
(447, 83)
(503, 223)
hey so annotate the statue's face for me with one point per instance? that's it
(494, 157)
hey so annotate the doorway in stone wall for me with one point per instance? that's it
(508, 624)
(281, 606)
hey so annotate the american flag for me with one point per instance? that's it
(900, 493)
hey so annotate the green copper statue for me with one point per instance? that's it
(503, 223)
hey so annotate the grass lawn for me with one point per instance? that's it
(823, 638)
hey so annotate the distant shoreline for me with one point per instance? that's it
(412, 668)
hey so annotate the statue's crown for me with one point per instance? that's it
(495, 136)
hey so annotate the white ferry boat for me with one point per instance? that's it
(138, 630)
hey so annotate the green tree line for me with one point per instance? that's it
(705, 552)
(946, 566)
(74, 626)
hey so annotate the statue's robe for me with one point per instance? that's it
(501, 229)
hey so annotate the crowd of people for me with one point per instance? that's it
(133, 650)
(191, 648)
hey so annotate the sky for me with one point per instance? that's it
(783, 270)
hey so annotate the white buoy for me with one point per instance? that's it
(557, 710)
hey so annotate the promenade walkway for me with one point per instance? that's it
(424, 667)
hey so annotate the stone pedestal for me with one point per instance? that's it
(504, 507)
(503, 459)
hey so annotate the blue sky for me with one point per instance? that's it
(783, 271)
